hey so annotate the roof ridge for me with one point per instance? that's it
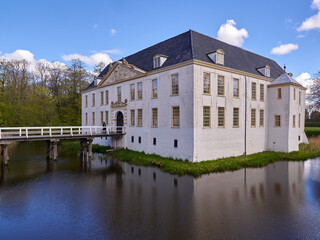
(232, 45)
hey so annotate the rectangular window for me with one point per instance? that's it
(154, 117)
(294, 121)
(279, 93)
(299, 98)
(277, 121)
(132, 92)
(175, 117)
(294, 94)
(101, 117)
(220, 116)
(139, 91)
(132, 117)
(235, 87)
(139, 139)
(299, 120)
(154, 88)
(107, 117)
(86, 101)
(206, 83)
(206, 116)
(253, 117)
(107, 97)
(132, 139)
(154, 141)
(86, 118)
(235, 117)
(175, 84)
(175, 143)
(93, 100)
(93, 119)
(261, 92)
(118, 94)
(254, 91)
(101, 98)
(139, 122)
(261, 119)
(220, 85)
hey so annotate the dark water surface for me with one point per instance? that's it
(107, 199)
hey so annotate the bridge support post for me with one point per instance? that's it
(90, 147)
(52, 149)
(4, 154)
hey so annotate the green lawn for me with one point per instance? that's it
(312, 131)
(224, 164)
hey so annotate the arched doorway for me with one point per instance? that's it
(119, 122)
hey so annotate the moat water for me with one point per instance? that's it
(109, 199)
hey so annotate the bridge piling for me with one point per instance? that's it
(52, 149)
(4, 154)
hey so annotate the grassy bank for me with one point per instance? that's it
(76, 145)
(225, 164)
(312, 131)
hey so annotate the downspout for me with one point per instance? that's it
(245, 115)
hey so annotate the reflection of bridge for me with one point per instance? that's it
(52, 135)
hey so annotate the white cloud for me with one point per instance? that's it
(90, 60)
(305, 80)
(113, 32)
(21, 54)
(95, 25)
(311, 22)
(316, 4)
(284, 49)
(301, 36)
(230, 34)
(113, 51)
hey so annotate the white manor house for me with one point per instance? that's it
(197, 98)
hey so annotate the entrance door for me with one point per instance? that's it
(119, 122)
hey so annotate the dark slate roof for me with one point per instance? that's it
(91, 85)
(285, 78)
(194, 45)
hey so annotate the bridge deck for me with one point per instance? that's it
(57, 133)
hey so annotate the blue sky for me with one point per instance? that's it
(108, 30)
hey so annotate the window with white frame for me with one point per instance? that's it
(206, 83)
(253, 91)
(235, 117)
(220, 85)
(86, 118)
(107, 97)
(93, 119)
(139, 91)
(277, 120)
(101, 98)
(107, 118)
(139, 118)
(206, 116)
(253, 117)
(279, 93)
(175, 116)
(294, 121)
(86, 101)
(261, 92)
(118, 94)
(221, 116)
(93, 99)
(154, 88)
(261, 119)
(132, 117)
(174, 84)
(101, 117)
(236, 87)
(132, 92)
(154, 122)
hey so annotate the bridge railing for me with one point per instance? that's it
(27, 132)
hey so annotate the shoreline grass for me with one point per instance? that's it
(180, 167)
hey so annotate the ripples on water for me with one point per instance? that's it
(108, 199)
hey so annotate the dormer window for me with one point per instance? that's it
(158, 60)
(217, 56)
(265, 71)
